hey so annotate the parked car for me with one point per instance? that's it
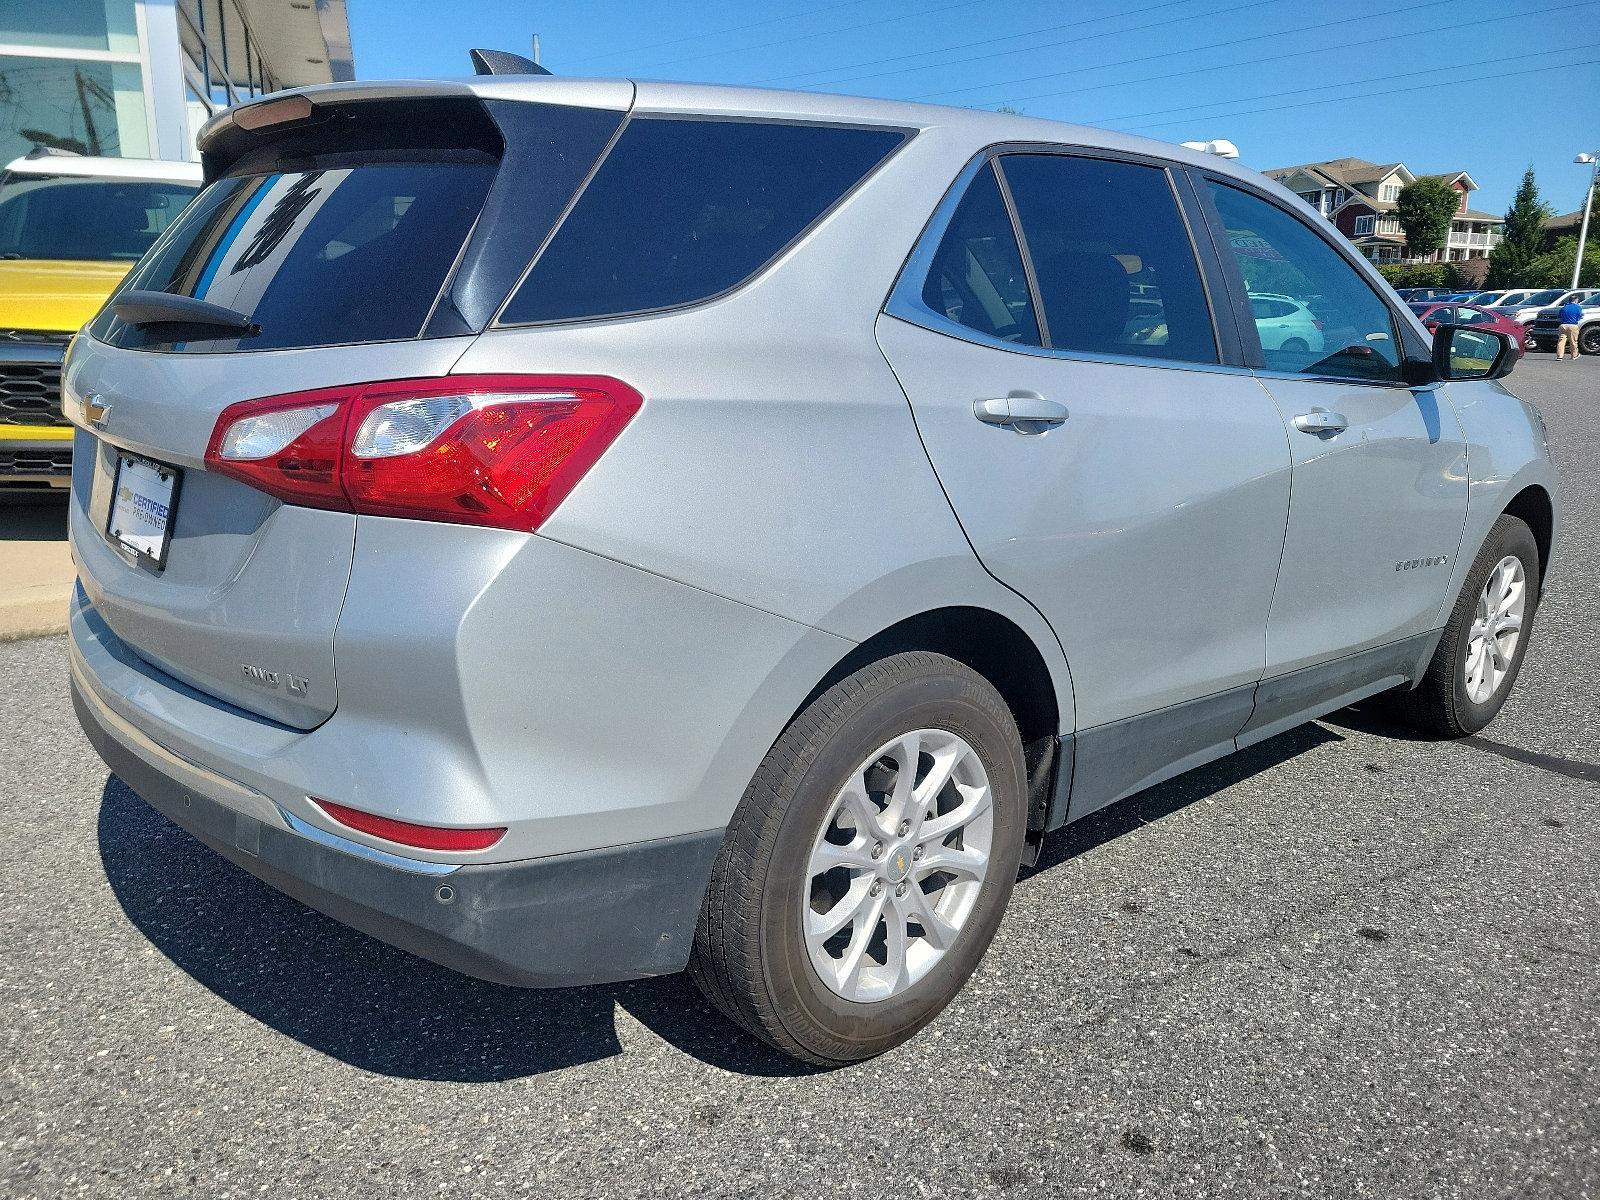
(1284, 323)
(1546, 327)
(1524, 311)
(1410, 294)
(511, 518)
(1433, 315)
(1508, 299)
(70, 227)
(1486, 298)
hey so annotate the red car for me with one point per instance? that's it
(1433, 315)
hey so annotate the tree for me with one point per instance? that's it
(1426, 209)
(1524, 236)
(1554, 267)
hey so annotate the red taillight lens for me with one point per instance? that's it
(480, 449)
(406, 833)
(1317, 321)
(288, 446)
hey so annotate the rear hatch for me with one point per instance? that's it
(366, 236)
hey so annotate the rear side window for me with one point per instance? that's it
(1115, 268)
(316, 257)
(682, 210)
(977, 278)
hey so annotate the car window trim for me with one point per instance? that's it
(907, 134)
(904, 300)
(1035, 297)
(1406, 339)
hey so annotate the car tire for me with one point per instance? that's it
(1589, 339)
(759, 952)
(1294, 346)
(1449, 702)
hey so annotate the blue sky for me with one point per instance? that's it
(1484, 86)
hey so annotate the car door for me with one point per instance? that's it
(1103, 460)
(1380, 471)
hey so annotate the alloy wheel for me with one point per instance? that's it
(897, 865)
(1496, 629)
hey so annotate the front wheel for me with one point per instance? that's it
(869, 862)
(1480, 655)
(1589, 340)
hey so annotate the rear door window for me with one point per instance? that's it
(682, 210)
(317, 257)
(1115, 268)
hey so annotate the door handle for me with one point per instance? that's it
(1024, 412)
(1321, 422)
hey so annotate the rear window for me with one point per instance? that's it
(105, 220)
(682, 210)
(316, 257)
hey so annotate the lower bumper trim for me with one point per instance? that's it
(600, 916)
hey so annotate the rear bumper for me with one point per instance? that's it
(593, 917)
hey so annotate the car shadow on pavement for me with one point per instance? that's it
(1150, 806)
(364, 1002)
(381, 1009)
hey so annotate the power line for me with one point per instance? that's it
(695, 37)
(1183, 50)
(1421, 87)
(672, 62)
(1072, 41)
(1010, 37)
(1482, 62)
(1256, 61)
(1271, 58)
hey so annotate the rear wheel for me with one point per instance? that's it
(1589, 339)
(1480, 654)
(869, 862)
(1294, 346)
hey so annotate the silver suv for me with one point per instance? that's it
(577, 529)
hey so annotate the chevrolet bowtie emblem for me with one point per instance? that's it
(96, 410)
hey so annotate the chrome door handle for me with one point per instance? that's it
(1321, 422)
(1022, 411)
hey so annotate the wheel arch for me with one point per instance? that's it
(993, 645)
(1533, 506)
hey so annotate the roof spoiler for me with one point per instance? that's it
(499, 62)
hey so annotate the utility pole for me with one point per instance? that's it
(1592, 161)
(536, 61)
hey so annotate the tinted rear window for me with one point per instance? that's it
(682, 210)
(317, 257)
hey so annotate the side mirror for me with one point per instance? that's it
(1472, 352)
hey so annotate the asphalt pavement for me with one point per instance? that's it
(1343, 963)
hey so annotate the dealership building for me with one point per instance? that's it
(137, 78)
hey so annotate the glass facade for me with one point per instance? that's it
(137, 78)
(70, 78)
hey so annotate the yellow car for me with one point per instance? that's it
(70, 227)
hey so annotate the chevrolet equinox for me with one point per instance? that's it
(579, 530)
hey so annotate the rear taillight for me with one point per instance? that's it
(500, 450)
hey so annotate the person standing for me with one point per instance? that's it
(1571, 317)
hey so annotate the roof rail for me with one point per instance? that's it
(499, 62)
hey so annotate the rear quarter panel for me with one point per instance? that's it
(775, 460)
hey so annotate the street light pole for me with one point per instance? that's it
(1593, 163)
